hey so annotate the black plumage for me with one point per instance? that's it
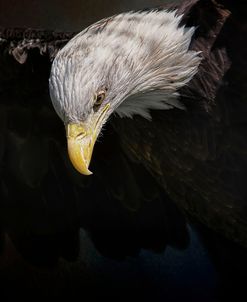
(200, 158)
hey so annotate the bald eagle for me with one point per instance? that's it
(126, 64)
(196, 150)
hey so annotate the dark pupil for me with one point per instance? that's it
(98, 102)
(99, 99)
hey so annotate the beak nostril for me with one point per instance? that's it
(81, 135)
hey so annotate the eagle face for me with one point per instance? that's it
(126, 64)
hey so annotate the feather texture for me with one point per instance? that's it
(142, 57)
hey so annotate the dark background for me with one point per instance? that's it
(99, 244)
(63, 15)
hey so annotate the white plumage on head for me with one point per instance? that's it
(143, 58)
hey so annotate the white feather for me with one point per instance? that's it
(142, 57)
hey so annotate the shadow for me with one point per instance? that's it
(121, 206)
(45, 202)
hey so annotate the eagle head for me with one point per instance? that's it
(126, 64)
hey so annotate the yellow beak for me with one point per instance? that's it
(81, 138)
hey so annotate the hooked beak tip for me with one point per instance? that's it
(80, 153)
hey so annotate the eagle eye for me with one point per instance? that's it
(99, 98)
